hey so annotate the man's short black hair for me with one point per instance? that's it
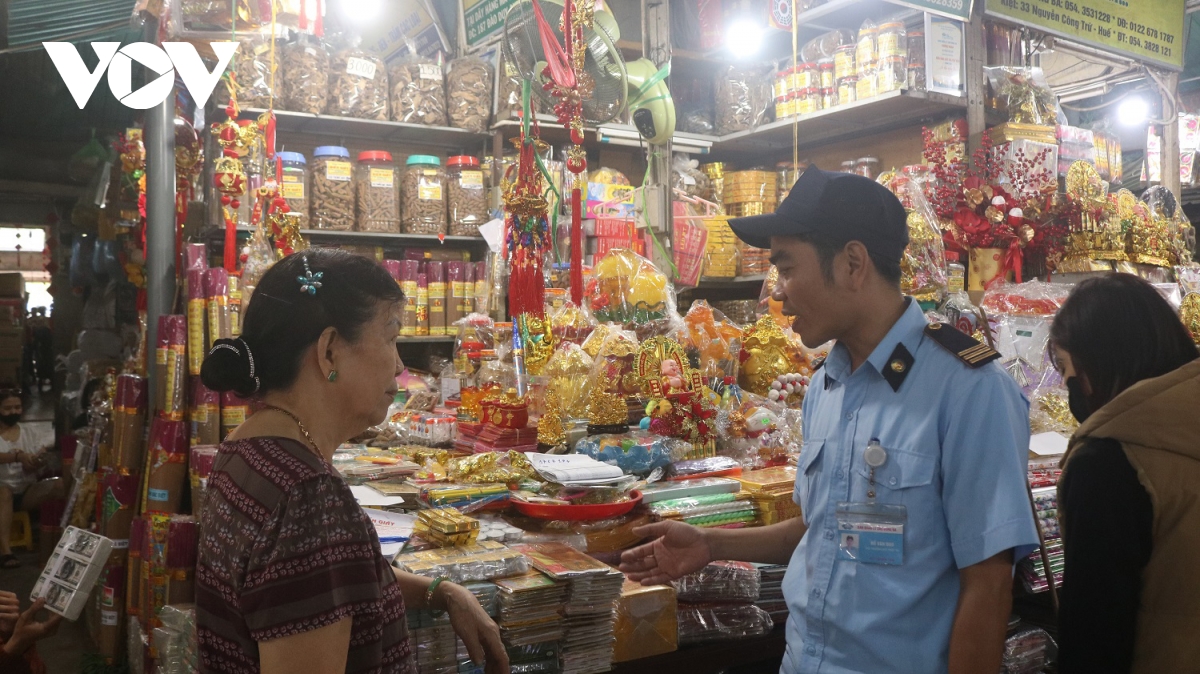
(828, 248)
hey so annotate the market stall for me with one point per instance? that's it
(588, 346)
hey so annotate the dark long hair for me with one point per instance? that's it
(282, 321)
(1119, 331)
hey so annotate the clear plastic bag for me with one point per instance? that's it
(627, 288)
(743, 96)
(923, 267)
(418, 91)
(687, 177)
(305, 75)
(469, 93)
(713, 339)
(1023, 94)
(251, 69)
(358, 85)
(719, 581)
(1028, 651)
(721, 622)
(568, 372)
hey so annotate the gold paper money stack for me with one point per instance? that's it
(721, 251)
(446, 527)
(771, 491)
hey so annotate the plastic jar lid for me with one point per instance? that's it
(331, 151)
(462, 160)
(375, 155)
(423, 159)
(292, 158)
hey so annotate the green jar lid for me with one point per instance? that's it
(423, 159)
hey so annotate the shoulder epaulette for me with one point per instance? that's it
(968, 349)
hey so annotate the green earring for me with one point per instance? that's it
(332, 376)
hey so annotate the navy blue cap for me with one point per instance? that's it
(842, 207)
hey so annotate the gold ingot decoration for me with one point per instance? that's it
(568, 371)
(538, 342)
(765, 356)
(1098, 237)
(551, 431)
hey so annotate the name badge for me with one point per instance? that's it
(871, 533)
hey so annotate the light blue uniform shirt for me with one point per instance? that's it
(957, 442)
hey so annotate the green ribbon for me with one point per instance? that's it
(662, 74)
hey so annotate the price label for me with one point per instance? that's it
(429, 191)
(472, 178)
(337, 170)
(262, 49)
(108, 618)
(382, 177)
(431, 71)
(361, 67)
(292, 190)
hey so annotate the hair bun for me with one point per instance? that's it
(227, 367)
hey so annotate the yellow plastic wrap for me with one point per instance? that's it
(645, 624)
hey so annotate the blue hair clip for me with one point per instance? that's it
(310, 282)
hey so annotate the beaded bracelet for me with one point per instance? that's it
(429, 594)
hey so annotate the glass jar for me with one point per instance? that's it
(377, 193)
(892, 75)
(294, 185)
(847, 91)
(892, 40)
(828, 98)
(828, 78)
(782, 104)
(466, 197)
(494, 375)
(916, 47)
(424, 196)
(783, 82)
(867, 167)
(808, 76)
(867, 86)
(848, 166)
(331, 182)
(843, 62)
(808, 102)
(866, 50)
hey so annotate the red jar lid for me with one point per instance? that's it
(375, 155)
(463, 160)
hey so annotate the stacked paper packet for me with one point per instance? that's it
(528, 609)
(770, 591)
(771, 490)
(593, 589)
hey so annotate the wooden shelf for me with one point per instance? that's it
(376, 238)
(892, 110)
(755, 280)
(374, 130)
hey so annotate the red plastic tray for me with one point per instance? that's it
(575, 513)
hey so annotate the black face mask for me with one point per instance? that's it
(1077, 400)
(10, 419)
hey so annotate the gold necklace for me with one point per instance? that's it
(307, 436)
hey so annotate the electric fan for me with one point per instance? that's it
(613, 82)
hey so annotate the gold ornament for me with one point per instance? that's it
(551, 431)
(765, 356)
(1149, 236)
(604, 408)
(662, 366)
(538, 343)
(1189, 313)
(567, 371)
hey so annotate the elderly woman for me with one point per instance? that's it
(291, 578)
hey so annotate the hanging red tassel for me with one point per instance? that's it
(576, 247)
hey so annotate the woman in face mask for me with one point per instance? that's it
(1129, 494)
(21, 457)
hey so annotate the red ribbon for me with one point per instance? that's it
(1013, 260)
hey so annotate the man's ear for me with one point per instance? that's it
(857, 264)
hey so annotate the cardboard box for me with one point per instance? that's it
(12, 284)
(646, 624)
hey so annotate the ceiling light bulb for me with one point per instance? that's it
(1133, 111)
(743, 38)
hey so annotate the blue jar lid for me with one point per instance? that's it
(331, 151)
(292, 158)
(423, 159)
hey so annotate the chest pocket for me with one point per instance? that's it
(904, 477)
(809, 466)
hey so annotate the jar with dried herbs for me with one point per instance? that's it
(294, 185)
(418, 92)
(469, 93)
(305, 75)
(331, 178)
(377, 192)
(424, 195)
(466, 196)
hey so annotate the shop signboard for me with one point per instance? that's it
(482, 19)
(1147, 30)
(405, 22)
(955, 9)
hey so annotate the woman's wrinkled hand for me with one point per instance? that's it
(479, 633)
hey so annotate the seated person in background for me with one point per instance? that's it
(21, 457)
(19, 632)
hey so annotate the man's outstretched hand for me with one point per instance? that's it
(677, 549)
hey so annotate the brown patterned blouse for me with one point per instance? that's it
(285, 549)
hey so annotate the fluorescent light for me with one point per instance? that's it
(629, 137)
(1133, 111)
(743, 38)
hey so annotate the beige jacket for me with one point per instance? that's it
(1157, 422)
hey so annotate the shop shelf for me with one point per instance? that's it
(607, 134)
(369, 129)
(892, 110)
(427, 339)
(754, 280)
(381, 239)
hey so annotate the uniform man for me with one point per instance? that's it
(915, 448)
